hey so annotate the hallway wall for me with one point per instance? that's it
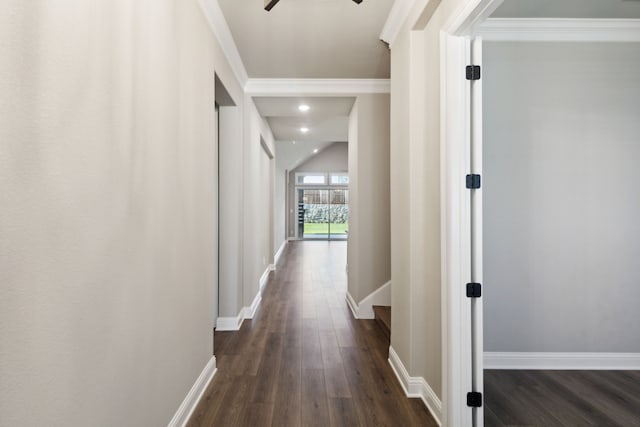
(417, 330)
(368, 254)
(258, 187)
(108, 175)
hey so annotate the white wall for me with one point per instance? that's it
(368, 254)
(108, 180)
(561, 201)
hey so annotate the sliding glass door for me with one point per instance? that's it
(323, 214)
(338, 214)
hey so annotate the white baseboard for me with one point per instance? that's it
(249, 312)
(264, 278)
(230, 323)
(416, 386)
(190, 402)
(352, 305)
(364, 310)
(276, 258)
(235, 323)
(565, 361)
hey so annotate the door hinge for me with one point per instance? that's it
(474, 399)
(473, 72)
(473, 181)
(474, 290)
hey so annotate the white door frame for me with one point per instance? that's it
(455, 163)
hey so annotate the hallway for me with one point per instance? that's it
(303, 359)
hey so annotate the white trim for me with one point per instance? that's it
(192, 399)
(469, 16)
(554, 30)
(235, 323)
(381, 296)
(276, 258)
(220, 28)
(416, 386)
(364, 310)
(352, 305)
(397, 17)
(455, 222)
(455, 211)
(249, 312)
(264, 279)
(566, 361)
(230, 323)
(321, 87)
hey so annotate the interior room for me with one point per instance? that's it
(560, 206)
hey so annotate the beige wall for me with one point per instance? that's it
(230, 294)
(108, 180)
(258, 185)
(368, 254)
(416, 333)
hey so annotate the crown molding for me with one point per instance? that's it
(560, 30)
(320, 87)
(221, 30)
(397, 16)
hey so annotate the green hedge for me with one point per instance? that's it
(317, 214)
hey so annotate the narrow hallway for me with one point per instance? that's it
(303, 359)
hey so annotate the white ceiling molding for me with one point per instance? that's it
(321, 87)
(397, 16)
(560, 30)
(221, 30)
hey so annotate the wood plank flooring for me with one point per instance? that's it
(562, 398)
(303, 360)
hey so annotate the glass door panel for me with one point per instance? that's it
(338, 214)
(314, 219)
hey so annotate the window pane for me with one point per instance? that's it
(311, 179)
(339, 179)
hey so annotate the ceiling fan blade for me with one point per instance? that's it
(268, 4)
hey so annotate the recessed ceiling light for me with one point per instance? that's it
(303, 107)
(304, 129)
(315, 150)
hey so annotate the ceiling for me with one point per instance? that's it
(289, 156)
(590, 9)
(327, 120)
(310, 38)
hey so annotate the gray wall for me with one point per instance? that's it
(562, 206)
(334, 158)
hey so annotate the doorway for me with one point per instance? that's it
(323, 214)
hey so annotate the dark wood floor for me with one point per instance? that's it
(304, 360)
(562, 398)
